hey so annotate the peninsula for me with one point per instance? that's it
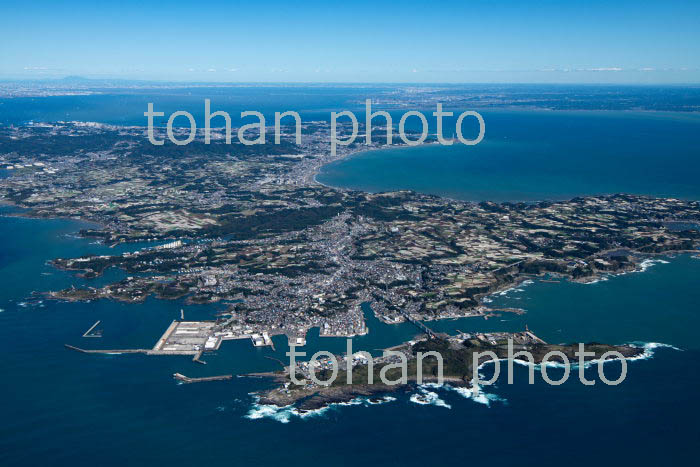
(249, 227)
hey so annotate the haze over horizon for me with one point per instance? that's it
(477, 42)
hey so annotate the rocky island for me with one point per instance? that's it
(458, 355)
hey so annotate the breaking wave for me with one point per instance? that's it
(649, 348)
(480, 396)
(643, 266)
(285, 414)
(516, 288)
(647, 263)
(425, 397)
(426, 394)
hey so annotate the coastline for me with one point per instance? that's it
(320, 397)
(26, 215)
(317, 170)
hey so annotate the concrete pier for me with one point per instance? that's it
(187, 380)
(106, 351)
(87, 333)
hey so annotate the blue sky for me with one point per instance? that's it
(452, 41)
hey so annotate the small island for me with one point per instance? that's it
(458, 359)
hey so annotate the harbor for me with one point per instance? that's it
(186, 338)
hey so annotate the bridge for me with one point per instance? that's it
(419, 324)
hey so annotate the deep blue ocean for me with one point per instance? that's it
(535, 155)
(64, 408)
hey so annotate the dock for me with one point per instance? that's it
(297, 341)
(180, 338)
(193, 338)
(165, 336)
(197, 358)
(187, 338)
(262, 340)
(529, 334)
